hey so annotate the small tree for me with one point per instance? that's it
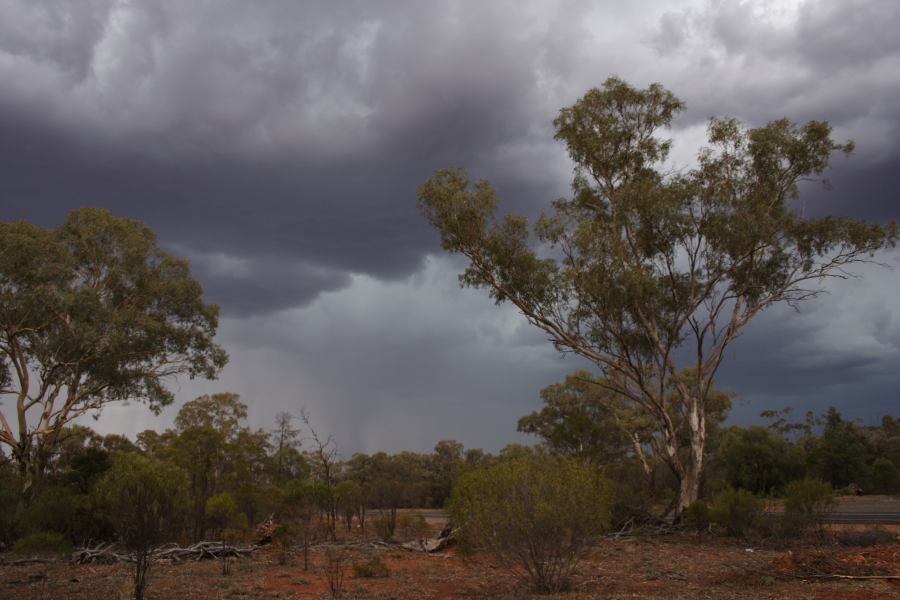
(537, 515)
(300, 504)
(348, 495)
(145, 499)
(223, 517)
(325, 460)
(396, 483)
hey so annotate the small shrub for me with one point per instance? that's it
(146, 500)
(696, 517)
(412, 527)
(885, 476)
(807, 503)
(43, 544)
(374, 567)
(872, 536)
(535, 514)
(283, 537)
(385, 525)
(738, 511)
(335, 561)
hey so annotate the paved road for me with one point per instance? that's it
(863, 517)
(860, 509)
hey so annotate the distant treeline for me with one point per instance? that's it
(253, 472)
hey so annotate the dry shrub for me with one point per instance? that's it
(537, 515)
(335, 563)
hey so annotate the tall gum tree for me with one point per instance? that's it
(652, 274)
(91, 312)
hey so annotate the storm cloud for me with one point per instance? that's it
(278, 146)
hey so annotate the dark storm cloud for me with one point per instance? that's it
(291, 131)
(278, 146)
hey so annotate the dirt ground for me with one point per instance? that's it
(669, 567)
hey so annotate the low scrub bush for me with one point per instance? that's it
(885, 476)
(807, 503)
(537, 515)
(385, 526)
(374, 567)
(738, 511)
(412, 527)
(43, 544)
(871, 536)
(696, 517)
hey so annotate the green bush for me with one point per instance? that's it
(10, 515)
(59, 508)
(412, 527)
(385, 525)
(738, 511)
(871, 536)
(696, 517)
(374, 567)
(535, 514)
(885, 476)
(807, 503)
(146, 501)
(43, 544)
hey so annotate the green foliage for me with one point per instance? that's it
(443, 467)
(842, 452)
(385, 525)
(643, 265)
(63, 510)
(738, 511)
(10, 527)
(283, 536)
(221, 511)
(223, 412)
(349, 499)
(582, 419)
(144, 498)
(412, 527)
(697, 517)
(43, 544)
(807, 503)
(884, 476)
(370, 569)
(300, 504)
(98, 314)
(757, 460)
(537, 515)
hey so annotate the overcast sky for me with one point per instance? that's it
(278, 145)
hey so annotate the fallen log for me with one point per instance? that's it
(444, 541)
(211, 550)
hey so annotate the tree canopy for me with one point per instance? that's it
(92, 312)
(650, 273)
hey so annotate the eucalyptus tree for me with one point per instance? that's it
(646, 271)
(91, 312)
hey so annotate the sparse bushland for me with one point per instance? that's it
(538, 515)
